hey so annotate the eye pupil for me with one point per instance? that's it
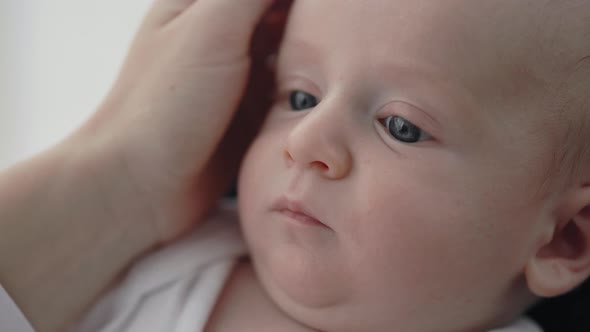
(401, 126)
(300, 100)
(403, 130)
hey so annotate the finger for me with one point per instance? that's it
(269, 32)
(255, 104)
(260, 90)
(164, 11)
(222, 29)
(265, 45)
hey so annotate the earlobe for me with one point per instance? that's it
(563, 262)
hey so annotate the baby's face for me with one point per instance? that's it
(414, 131)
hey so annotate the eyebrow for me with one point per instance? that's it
(406, 75)
(419, 77)
(583, 60)
(299, 50)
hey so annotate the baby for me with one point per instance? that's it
(425, 168)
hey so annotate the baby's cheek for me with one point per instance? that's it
(411, 223)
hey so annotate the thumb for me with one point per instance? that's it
(223, 28)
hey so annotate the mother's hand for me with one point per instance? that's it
(147, 166)
(163, 128)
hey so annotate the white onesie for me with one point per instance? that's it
(175, 288)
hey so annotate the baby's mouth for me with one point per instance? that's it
(301, 217)
(297, 211)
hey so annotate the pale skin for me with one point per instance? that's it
(449, 228)
(458, 231)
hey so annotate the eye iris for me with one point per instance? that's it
(300, 100)
(403, 130)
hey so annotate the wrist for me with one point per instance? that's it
(105, 195)
(58, 236)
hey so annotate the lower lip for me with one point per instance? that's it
(301, 218)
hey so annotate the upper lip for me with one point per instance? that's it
(294, 205)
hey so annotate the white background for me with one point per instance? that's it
(58, 58)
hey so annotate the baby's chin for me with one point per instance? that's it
(303, 280)
(318, 296)
(307, 297)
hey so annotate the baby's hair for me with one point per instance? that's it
(574, 157)
(570, 37)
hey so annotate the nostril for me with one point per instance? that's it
(287, 155)
(289, 160)
(321, 165)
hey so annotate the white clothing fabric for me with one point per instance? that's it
(522, 325)
(175, 289)
(11, 318)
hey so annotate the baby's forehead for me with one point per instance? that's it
(524, 26)
(468, 39)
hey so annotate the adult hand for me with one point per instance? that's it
(147, 166)
(162, 127)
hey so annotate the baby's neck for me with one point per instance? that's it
(244, 298)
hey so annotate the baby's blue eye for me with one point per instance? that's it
(300, 100)
(403, 130)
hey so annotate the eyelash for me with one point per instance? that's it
(410, 133)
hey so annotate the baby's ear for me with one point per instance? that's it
(563, 262)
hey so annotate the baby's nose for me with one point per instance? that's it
(319, 142)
